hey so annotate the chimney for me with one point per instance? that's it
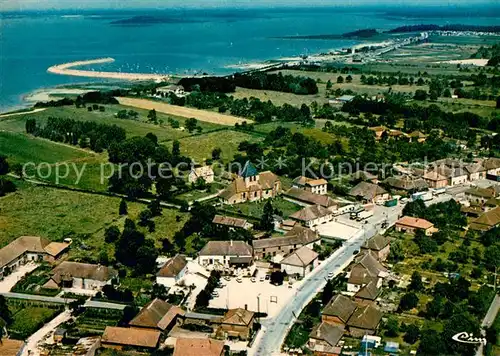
(246, 306)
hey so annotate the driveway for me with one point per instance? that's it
(47, 330)
(10, 281)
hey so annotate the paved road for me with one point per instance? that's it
(274, 330)
(58, 300)
(488, 320)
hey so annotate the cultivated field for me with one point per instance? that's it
(202, 115)
(279, 98)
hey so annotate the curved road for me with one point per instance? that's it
(274, 329)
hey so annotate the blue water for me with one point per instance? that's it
(190, 41)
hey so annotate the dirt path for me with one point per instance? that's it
(22, 113)
(202, 115)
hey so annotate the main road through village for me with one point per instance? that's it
(274, 329)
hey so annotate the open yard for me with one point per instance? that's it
(202, 115)
(200, 147)
(256, 209)
(29, 318)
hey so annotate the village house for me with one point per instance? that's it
(119, 338)
(435, 180)
(367, 294)
(232, 223)
(369, 192)
(407, 183)
(300, 262)
(417, 136)
(338, 310)
(306, 198)
(297, 237)
(454, 171)
(178, 90)
(364, 321)
(476, 171)
(365, 269)
(236, 323)
(201, 172)
(378, 131)
(324, 338)
(491, 204)
(311, 216)
(492, 166)
(379, 245)
(486, 221)
(198, 347)
(315, 186)
(480, 195)
(157, 315)
(251, 185)
(363, 176)
(29, 249)
(78, 275)
(411, 225)
(223, 254)
(172, 271)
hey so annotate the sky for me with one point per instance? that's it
(12, 5)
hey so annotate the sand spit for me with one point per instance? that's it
(66, 69)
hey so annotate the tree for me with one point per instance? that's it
(5, 313)
(340, 79)
(191, 124)
(111, 234)
(146, 258)
(420, 95)
(498, 102)
(176, 149)
(328, 292)
(4, 165)
(392, 328)
(416, 282)
(216, 153)
(277, 278)
(492, 257)
(408, 301)
(267, 219)
(123, 210)
(155, 207)
(412, 334)
(152, 137)
(152, 115)
(396, 254)
(145, 217)
(435, 306)
(168, 247)
(348, 79)
(431, 343)
(329, 84)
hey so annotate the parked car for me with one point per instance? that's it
(330, 275)
(355, 252)
(261, 279)
(215, 294)
(268, 276)
(239, 280)
(227, 278)
(253, 279)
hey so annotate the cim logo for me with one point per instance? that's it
(466, 338)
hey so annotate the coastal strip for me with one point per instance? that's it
(67, 69)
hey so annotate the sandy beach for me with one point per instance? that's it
(66, 69)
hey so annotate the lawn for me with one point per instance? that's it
(200, 147)
(20, 148)
(28, 319)
(279, 98)
(256, 209)
(55, 214)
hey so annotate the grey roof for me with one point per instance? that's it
(369, 291)
(226, 248)
(302, 257)
(309, 213)
(367, 191)
(310, 198)
(341, 307)
(365, 317)
(406, 183)
(298, 235)
(377, 242)
(173, 267)
(20, 246)
(83, 270)
(329, 333)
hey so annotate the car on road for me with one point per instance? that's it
(261, 279)
(227, 278)
(268, 277)
(239, 280)
(215, 294)
(330, 275)
(253, 279)
(355, 252)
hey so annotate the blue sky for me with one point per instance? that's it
(122, 4)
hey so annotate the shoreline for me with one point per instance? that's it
(67, 69)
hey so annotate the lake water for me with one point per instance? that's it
(179, 41)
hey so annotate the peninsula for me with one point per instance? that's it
(67, 69)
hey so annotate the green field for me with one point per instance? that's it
(28, 319)
(138, 127)
(20, 148)
(200, 147)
